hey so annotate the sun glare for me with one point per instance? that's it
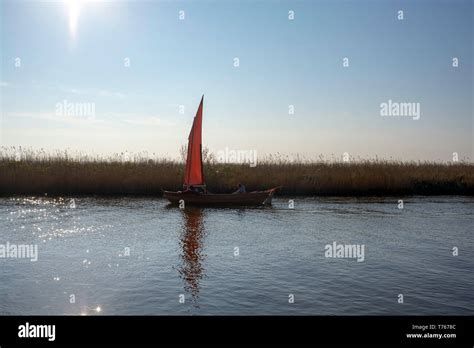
(74, 9)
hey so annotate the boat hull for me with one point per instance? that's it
(250, 199)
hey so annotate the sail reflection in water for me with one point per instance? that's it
(192, 258)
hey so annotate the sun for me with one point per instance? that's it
(74, 9)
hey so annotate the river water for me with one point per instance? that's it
(142, 257)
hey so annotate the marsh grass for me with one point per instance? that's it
(28, 172)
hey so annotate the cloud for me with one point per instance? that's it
(70, 89)
(145, 121)
(51, 116)
(109, 118)
(106, 93)
(98, 92)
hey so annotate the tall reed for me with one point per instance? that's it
(29, 172)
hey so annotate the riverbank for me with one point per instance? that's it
(73, 176)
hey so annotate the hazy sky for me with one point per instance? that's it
(76, 54)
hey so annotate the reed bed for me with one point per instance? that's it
(28, 172)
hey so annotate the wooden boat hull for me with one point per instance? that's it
(242, 199)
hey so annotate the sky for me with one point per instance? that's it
(106, 77)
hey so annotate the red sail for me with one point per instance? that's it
(194, 174)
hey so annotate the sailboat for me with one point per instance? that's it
(194, 187)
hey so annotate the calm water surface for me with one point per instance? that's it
(83, 251)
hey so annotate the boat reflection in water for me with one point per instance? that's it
(192, 258)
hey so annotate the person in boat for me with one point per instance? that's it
(240, 188)
(193, 189)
